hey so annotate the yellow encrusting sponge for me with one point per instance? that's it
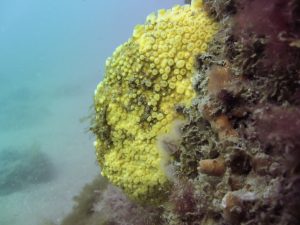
(144, 79)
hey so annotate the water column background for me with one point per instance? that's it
(52, 55)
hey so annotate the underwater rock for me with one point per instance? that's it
(145, 79)
(244, 88)
(242, 125)
(23, 167)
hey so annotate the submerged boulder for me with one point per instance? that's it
(21, 168)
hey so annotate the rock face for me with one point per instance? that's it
(235, 158)
(246, 113)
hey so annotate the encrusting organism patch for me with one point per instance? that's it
(145, 78)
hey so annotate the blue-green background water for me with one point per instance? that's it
(52, 56)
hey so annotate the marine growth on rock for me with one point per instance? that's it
(236, 158)
(145, 78)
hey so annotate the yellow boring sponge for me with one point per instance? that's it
(144, 79)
